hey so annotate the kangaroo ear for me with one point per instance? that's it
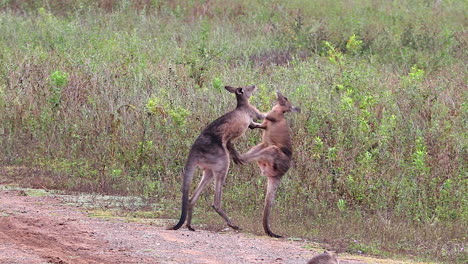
(280, 98)
(230, 89)
(240, 91)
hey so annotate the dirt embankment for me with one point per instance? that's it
(44, 229)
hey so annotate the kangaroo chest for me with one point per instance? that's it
(238, 123)
(276, 134)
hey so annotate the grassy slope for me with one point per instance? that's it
(108, 96)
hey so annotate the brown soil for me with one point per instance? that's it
(46, 230)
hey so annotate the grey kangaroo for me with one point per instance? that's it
(274, 154)
(327, 257)
(211, 152)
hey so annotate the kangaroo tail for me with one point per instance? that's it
(187, 174)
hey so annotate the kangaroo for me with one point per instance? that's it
(211, 152)
(274, 154)
(326, 257)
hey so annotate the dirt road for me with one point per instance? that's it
(44, 229)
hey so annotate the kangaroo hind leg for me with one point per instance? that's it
(272, 186)
(220, 177)
(206, 178)
(252, 154)
(259, 152)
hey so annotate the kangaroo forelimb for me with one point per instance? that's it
(254, 125)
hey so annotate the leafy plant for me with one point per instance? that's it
(333, 54)
(59, 80)
(217, 84)
(419, 163)
(354, 45)
(179, 115)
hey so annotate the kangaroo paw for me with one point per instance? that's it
(190, 228)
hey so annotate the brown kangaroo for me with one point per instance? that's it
(327, 257)
(211, 152)
(273, 155)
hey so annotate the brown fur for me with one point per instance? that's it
(326, 257)
(211, 152)
(274, 154)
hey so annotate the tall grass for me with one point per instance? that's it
(108, 96)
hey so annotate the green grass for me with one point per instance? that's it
(107, 97)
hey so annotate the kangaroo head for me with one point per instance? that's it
(284, 104)
(242, 93)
